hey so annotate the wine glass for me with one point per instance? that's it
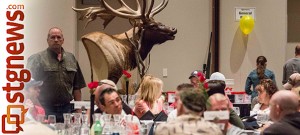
(59, 127)
(52, 120)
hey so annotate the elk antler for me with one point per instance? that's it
(125, 11)
(159, 8)
(107, 13)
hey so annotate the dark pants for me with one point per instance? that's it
(58, 111)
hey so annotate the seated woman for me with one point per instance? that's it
(266, 88)
(148, 96)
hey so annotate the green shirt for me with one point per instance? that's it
(60, 78)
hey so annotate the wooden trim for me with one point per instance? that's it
(215, 35)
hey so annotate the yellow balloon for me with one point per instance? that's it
(247, 24)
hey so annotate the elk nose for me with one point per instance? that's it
(174, 30)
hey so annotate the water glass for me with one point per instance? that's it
(59, 127)
(117, 118)
(107, 124)
(52, 120)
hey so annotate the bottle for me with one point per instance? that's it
(96, 127)
(84, 129)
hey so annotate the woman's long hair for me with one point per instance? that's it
(261, 66)
(150, 88)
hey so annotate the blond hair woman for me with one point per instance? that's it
(149, 96)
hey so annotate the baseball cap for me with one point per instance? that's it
(292, 81)
(217, 76)
(194, 73)
(33, 83)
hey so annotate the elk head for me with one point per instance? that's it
(146, 32)
(153, 32)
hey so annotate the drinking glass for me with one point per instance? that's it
(117, 118)
(59, 127)
(76, 123)
(52, 120)
(107, 124)
(67, 122)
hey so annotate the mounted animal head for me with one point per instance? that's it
(138, 42)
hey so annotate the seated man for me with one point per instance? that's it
(104, 84)
(111, 103)
(190, 107)
(284, 112)
(181, 87)
(218, 102)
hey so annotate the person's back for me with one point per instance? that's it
(256, 75)
(188, 124)
(284, 112)
(291, 66)
(190, 108)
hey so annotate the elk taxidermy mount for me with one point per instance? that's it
(110, 54)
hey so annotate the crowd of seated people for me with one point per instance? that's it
(191, 103)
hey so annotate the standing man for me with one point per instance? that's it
(61, 74)
(292, 65)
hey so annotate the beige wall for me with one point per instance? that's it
(41, 15)
(268, 38)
